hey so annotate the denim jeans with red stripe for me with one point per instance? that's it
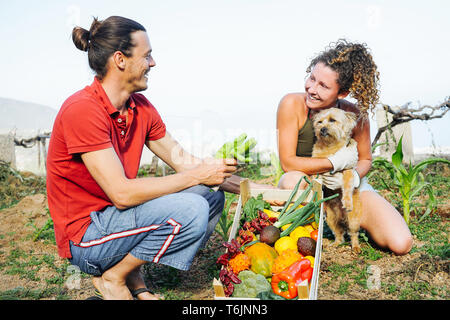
(168, 230)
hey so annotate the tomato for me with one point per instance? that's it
(314, 234)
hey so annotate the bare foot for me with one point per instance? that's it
(112, 289)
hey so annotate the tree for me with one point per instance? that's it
(406, 114)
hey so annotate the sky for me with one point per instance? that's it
(222, 66)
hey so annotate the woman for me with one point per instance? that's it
(343, 69)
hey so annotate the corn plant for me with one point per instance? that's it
(276, 165)
(409, 180)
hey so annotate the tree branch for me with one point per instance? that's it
(406, 114)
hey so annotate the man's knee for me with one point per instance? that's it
(216, 201)
(196, 210)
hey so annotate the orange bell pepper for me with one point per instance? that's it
(285, 282)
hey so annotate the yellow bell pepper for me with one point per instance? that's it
(271, 214)
(298, 233)
(285, 243)
(309, 228)
(310, 258)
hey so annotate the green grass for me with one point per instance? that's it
(432, 233)
(21, 293)
(27, 265)
(14, 186)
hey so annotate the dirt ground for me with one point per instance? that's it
(29, 269)
(393, 272)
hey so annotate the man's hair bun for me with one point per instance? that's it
(80, 38)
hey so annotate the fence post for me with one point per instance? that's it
(404, 129)
(7, 149)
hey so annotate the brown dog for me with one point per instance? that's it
(333, 128)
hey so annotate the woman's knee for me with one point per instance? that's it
(290, 179)
(385, 224)
(401, 245)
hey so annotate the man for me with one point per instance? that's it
(107, 221)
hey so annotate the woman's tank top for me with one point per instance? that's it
(306, 139)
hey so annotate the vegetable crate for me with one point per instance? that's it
(277, 198)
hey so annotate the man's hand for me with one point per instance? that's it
(212, 172)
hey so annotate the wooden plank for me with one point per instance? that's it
(317, 257)
(317, 187)
(218, 288)
(244, 191)
(236, 218)
(303, 290)
(279, 195)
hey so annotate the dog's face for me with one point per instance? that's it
(333, 124)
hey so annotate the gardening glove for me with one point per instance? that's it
(345, 158)
(335, 181)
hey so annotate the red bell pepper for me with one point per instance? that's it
(285, 282)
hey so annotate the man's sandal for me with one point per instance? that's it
(97, 296)
(136, 292)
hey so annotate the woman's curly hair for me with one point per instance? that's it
(356, 69)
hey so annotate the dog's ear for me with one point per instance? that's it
(351, 116)
(314, 117)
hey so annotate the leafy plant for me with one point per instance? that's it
(225, 223)
(46, 232)
(252, 207)
(239, 149)
(409, 180)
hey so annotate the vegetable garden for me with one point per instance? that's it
(31, 269)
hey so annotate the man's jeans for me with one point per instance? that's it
(167, 230)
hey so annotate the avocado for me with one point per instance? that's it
(269, 235)
(306, 246)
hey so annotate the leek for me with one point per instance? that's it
(302, 216)
(293, 193)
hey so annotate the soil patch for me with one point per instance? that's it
(31, 269)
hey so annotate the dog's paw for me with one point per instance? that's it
(356, 248)
(348, 207)
(347, 204)
(338, 241)
(335, 243)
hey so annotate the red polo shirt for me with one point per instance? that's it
(87, 121)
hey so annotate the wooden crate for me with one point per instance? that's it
(305, 291)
